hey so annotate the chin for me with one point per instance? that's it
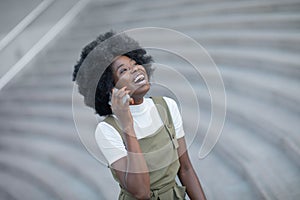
(142, 90)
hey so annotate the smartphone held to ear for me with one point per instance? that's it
(124, 98)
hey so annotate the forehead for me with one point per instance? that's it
(121, 60)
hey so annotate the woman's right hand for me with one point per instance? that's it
(120, 108)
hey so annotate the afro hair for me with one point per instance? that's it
(96, 57)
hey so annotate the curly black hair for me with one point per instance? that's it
(106, 82)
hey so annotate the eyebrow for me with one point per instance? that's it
(119, 66)
(123, 64)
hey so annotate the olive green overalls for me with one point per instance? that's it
(160, 152)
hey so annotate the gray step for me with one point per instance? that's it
(283, 40)
(262, 163)
(196, 9)
(239, 7)
(50, 121)
(274, 21)
(274, 89)
(269, 122)
(51, 112)
(273, 124)
(40, 128)
(30, 93)
(194, 21)
(66, 158)
(259, 162)
(72, 131)
(71, 189)
(134, 6)
(48, 68)
(211, 168)
(55, 82)
(19, 188)
(218, 7)
(273, 61)
(17, 48)
(261, 21)
(46, 111)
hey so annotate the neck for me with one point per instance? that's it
(137, 100)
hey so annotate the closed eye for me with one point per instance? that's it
(123, 69)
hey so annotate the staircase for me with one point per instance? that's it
(255, 45)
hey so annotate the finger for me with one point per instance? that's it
(121, 96)
(115, 91)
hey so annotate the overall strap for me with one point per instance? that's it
(166, 117)
(113, 122)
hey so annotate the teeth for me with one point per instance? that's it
(139, 77)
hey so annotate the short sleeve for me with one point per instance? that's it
(110, 142)
(176, 117)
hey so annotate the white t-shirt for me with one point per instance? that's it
(146, 122)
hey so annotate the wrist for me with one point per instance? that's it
(128, 131)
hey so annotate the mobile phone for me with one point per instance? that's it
(124, 98)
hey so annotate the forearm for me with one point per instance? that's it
(189, 179)
(187, 174)
(137, 179)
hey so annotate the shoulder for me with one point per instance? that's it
(170, 102)
(105, 130)
(172, 105)
(110, 142)
(104, 126)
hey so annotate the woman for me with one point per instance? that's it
(141, 138)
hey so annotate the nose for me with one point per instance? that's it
(134, 68)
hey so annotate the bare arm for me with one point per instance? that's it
(187, 174)
(131, 170)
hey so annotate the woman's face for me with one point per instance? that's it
(127, 73)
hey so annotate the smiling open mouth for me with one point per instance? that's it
(139, 78)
